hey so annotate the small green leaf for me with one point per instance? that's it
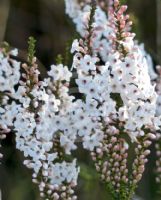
(31, 49)
(59, 59)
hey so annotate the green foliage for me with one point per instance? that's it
(59, 59)
(89, 184)
(6, 47)
(31, 49)
(123, 1)
(136, 27)
(116, 97)
(87, 173)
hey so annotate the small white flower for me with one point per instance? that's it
(88, 63)
(75, 46)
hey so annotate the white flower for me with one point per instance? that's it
(24, 124)
(88, 63)
(64, 172)
(123, 113)
(75, 46)
(9, 74)
(60, 72)
(90, 142)
(8, 114)
(128, 43)
(67, 144)
(56, 72)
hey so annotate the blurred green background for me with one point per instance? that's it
(53, 30)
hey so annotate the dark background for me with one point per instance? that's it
(53, 30)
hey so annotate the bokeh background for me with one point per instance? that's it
(54, 31)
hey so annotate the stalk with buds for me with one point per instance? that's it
(114, 115)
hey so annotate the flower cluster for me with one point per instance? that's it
(9, 78)
(39, 114)
(42, 131)
(9, 71)
(119, 105)
(157, 81)
(123, 97)
(101, 29)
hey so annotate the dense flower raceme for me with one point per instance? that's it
(127, 73)
(157, 81)
(9, 78)
(80, 15)
(102, 30)
(122, 95)
(42, 116)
